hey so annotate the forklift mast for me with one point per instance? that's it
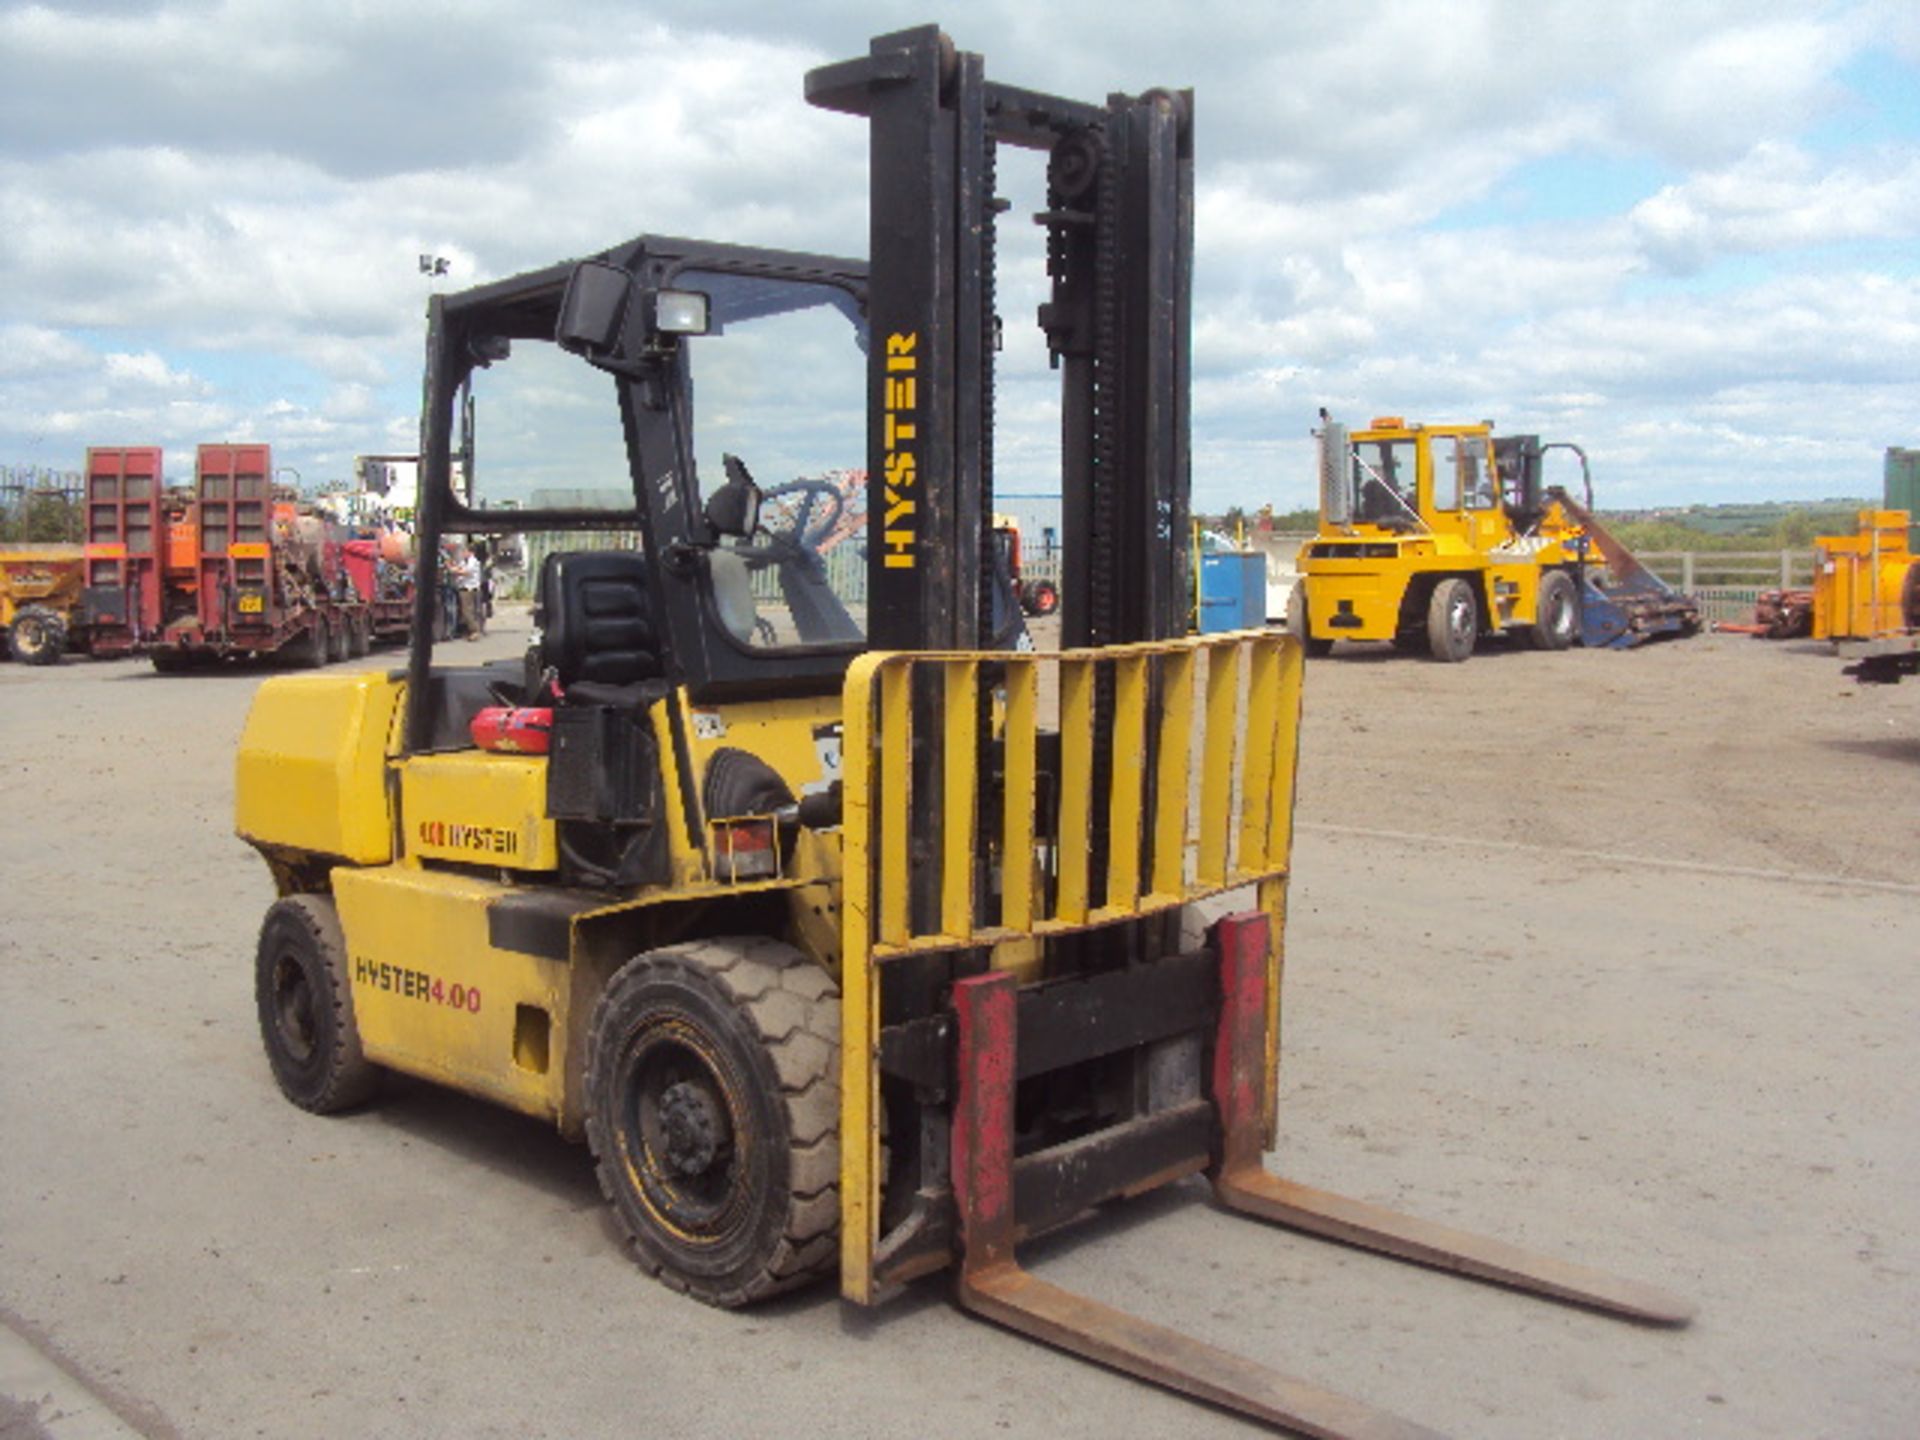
(1119, 223)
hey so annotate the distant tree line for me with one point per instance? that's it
(1785, 527)
(1290, 522)
(1705, 528)
(40, 505)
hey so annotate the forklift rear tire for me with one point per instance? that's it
(38, 636)
(1558, 613)
(713, 1111)
(1453, 621)
(305, 1002)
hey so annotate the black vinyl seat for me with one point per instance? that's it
(595, 613)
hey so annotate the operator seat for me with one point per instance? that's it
(597, 633)
(733, 594)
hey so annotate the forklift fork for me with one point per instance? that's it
(993, 1284)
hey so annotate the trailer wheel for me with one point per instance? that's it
(306, 651)
(1453, 620)
(1297, 623)
(305, 1002)
(38, 636)
(339, 642)
(1556, 611)
(359, 638)
(713, 1107)
(1040, 598)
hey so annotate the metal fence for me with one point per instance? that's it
(1727, 583)
(1756, 569)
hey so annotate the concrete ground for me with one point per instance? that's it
(1609, 954)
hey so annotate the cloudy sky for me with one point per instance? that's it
(1684, 233)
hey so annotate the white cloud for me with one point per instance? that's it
(248, 235)
(148, 371)
(1708, 96)
(1776, 198)
(29, 350)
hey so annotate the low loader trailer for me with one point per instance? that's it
(231, 568)
(851, 945)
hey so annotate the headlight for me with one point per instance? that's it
(680, 312)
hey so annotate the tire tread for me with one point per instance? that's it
(351, 1078)
(767, 982)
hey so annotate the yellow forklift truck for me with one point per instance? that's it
(848, 941)
(1432, 536)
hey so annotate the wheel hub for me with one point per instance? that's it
(693, 1126)
(293, 1000)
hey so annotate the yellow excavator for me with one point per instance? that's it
(849, 942)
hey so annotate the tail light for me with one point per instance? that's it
(746, 849)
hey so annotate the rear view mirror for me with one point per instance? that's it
(593, 314)
(734, 509)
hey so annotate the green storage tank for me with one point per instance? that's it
(1903, 489)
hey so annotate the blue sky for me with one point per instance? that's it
(1682, 234)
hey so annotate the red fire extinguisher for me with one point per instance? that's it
(513, 729)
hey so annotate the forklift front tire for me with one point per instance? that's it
(305, 1001)
(713, 1110)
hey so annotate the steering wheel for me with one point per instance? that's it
(812, 518)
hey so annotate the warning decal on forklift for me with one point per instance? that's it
(415, 985)
(826, 745)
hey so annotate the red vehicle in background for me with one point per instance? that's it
(230, 567)
(1037, 596)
